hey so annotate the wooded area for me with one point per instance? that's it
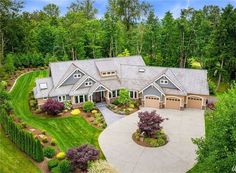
(127, 28)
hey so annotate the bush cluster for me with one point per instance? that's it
(81, 156)
(149, 123)
(49, 152)
(52, 107)
(23, 139)
(88, 106)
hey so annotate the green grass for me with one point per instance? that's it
(12, 159)
(68, 132)
(208, 122)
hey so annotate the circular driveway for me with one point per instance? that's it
(177, 156)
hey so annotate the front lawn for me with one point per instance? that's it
(12, 159)
(68, 131)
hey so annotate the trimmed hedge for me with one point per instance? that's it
(23, 139)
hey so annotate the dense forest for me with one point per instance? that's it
(207, 36)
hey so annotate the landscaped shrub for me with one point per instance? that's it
(44, 132)
(61, 155)
(64, 166)
(49, 152)
(94, 111)
(53, 142)
(101, 166)
(45, 139)
(23, 139)
(88, 106)
(149, 123)
(67, 105)
(116, 101)
(81, 156)
(52, 163)
(124, 98)
(75, 112)
(52, 107)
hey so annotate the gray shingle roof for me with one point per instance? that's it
(128, 76)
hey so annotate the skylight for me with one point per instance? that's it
(141, 70)
(43, 86)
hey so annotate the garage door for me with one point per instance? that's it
(194, 102)
(172, 103)
(151, 101)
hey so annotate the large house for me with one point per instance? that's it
(99, 80)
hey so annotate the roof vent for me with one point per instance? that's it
(141, 70)
(43, 86)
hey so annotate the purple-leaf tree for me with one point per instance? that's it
(52, 107)
(149, 123)
(81, 156)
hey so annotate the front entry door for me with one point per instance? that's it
(97, 97)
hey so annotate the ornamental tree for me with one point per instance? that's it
(52, 107)
(81, 156)
(124, 97)
(149, 123)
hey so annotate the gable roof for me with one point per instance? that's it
(132, 73)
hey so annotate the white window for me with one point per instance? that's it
(61, 98)
(81, 99)
(164, 81)
(77, 75)
(133, 94)
(89, 83)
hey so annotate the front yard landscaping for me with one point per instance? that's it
(123, 104)
(55, 133)
(67, 131)
(150, 132)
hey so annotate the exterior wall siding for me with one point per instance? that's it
(169, 85)
(71, 80)
(83, 85)
(151, 90)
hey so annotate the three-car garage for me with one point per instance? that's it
(174, 102)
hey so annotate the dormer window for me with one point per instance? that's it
(77, 75)
(108, 73)
(88, 83)
(164, 81)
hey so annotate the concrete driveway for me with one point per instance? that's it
(109, 116)
(177, 156)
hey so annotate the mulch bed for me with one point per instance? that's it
(142, 143)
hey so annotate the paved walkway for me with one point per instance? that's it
(177, 156)
(109, 116)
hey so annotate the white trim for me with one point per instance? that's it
(152, 86)
(70, 76)
(152, 96)
(97, 88)
(164, 75)
(63, 98)
(88, 77)
(174, 97)
(89, 83)
(194, 96)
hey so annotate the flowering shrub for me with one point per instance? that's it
(81, 156)
(149, 123)
(75, 112)
(52, 107)
(101, 166)
(61, 155)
